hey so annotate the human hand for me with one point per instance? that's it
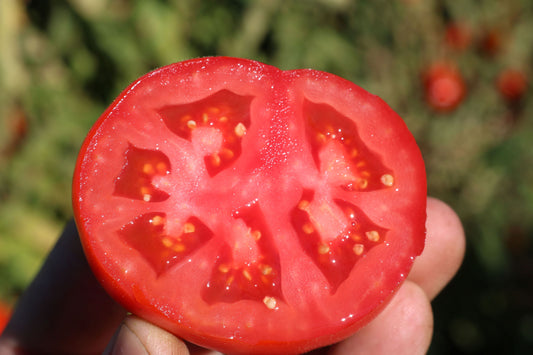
(65, 310)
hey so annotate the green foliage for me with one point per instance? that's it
(63, 62)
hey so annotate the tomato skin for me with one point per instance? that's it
(259, 191)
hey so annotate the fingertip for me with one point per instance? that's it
(444, 250)
(405, 327)
(138, 337)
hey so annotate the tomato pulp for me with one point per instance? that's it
(249, 209)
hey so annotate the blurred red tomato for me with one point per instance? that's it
(491, 42)
(458, 36)
(444, 86)
(512, 84)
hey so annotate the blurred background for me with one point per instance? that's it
(458, 72)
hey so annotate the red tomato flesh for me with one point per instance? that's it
(249, 209)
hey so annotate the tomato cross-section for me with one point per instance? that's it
(249, 209)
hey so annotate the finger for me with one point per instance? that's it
(137, 336)
(64, 310)
(444, 249)
(404, 327)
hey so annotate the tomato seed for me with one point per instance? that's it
(223, 268)
(178, 247)
(188, 228)
(323, 249)
(148, 169)
(308, 228)
(358, 249)
(227, 153)
(157, 220)
(167, 242)
(144, 190)
(270, 302)
(162, 168)
(229, 281)
(215, 160)
(256, 234)
(355, 237)
(373, 236)
(387, 180)
(240, 129)
(363, 183)
(303, 205)
(266, 269)
(321, 138)
(213, 110)
(191, 124)
(247, 274)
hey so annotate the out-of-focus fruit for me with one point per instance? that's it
(512, 84)
(444, 86)
(458, 36)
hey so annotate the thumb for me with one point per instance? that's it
(135, 336)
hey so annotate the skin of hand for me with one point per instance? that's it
(66, 311)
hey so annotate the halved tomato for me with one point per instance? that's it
(249, 209)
